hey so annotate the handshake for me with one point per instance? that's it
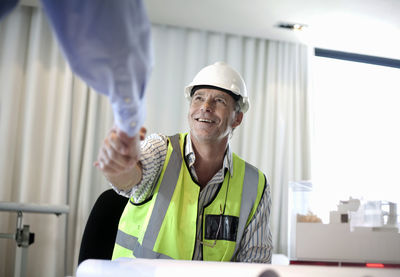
(118, 158)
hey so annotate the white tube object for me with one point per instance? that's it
(34, 208)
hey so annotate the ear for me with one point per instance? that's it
(238, 119)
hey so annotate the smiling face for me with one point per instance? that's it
(212, 115)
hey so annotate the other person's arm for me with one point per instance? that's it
(107, 44)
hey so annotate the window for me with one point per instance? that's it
(356, 132)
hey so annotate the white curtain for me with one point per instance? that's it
(52, 125)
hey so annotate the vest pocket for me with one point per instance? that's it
(221, 227)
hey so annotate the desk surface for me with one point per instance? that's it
(149, 268)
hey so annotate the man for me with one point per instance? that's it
(190, 196)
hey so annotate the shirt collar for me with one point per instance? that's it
(191, 158)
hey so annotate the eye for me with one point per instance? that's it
(197, 98)
(220, 100)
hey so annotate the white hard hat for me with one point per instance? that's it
(222, 76)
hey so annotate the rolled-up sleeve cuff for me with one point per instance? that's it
(121, 192)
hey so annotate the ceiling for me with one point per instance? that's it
(370, 27)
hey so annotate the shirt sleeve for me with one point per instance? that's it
(108, 45)
(256, 244)
(153, 154)
(6, 6)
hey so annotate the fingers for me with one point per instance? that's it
(120, 142)
(114, 149)
(119, 152)
(113, 159)
(130, 146)
(142, 133)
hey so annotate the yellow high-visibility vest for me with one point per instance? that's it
(164, 226)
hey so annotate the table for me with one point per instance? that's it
(150, 268)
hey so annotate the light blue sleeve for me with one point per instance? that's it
(108, 44)
(6, 6)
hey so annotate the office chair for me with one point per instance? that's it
(101, 228)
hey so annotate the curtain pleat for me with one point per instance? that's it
(52, 125)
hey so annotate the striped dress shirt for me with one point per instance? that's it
(256, 244)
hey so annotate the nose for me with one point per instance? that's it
(206, 106)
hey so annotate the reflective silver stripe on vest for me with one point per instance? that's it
(126, 240)
(164, 196)
(131, 242)
(249, 197)
(141, 252)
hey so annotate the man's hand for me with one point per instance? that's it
(118, 158)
